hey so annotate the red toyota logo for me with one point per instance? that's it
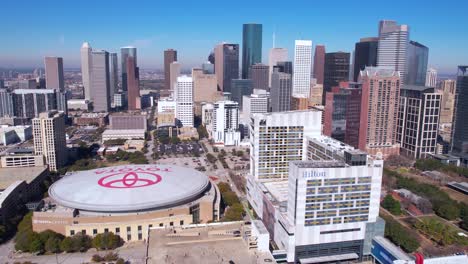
(124, 180)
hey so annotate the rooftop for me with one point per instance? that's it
(10, 175)
(319, 164)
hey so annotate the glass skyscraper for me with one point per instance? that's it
(251, 47)
(460, 126)
(125, 53)
(417, 63)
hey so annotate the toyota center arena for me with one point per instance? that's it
(127, 200)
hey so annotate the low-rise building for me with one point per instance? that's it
(79, 104)
(125, 121)
(87, 119)
(13, 134)
(128, 134)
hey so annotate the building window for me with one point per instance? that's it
(139, 228)
(140, 236)
(72, 232)
(129, 229)
(150, 226)
(94, 231)
(83, 232)
(181, 222)
(171, 223)
(106, 230)
(129, 237)
(117, 230)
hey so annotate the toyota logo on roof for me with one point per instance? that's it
(132, 179)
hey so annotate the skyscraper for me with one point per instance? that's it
(365, 55)
(184, 99)
(251, 47)
(284, 66)
(259, 75)
(319, 63)
(174, 69)
(431, 77)
(6, 103)
(393, 46)
(239, 88)
(379, 111)
(204, 87)
(418, 121)
(447, 88)
(417, 63)
(302, 67)
(133, 85)
(126, 52)
(49, 138)
(226, 65)
(113, 74)
(226, 123)
(86, 69)
(281, 91)
(100, 81)
(276, 55)
(29, 103)
(460, 125)
(170, 56)
(54, 73)
(336, 70)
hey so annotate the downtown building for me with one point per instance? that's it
(86, 64)
(29, 103)
(336, 70)
(100, 81)
(418, 55)
(276, 55)
(326, 209)
(447, 88)
(365, 55)
(459, 144)
(54, 73)
(184, 99)
(251, 47)
(133, 85)
(170, 56)
(302, 67)
(225, 128)
(431, 77)
(227, 65)
(258, 73)
(281, 91)
(418, 121)
(319, 63)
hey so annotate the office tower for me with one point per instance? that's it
(27, 84)
(365, 55)
(316, 94)
(319, 63)
(133, 85)
(86, 69)
(29, 103)
(379, 110)
(6, 103)
(208, 68)
(447, 88)
(281, 91)
(251, 47)
(49, 138)
(239, 88)
(431, 77)
(276, 55)
(227, 65)
(254, 104)
(393, 46)
(417, 63)
(204, 87)
(418, 121)
(299, 102)
(259, 75)
(174, 69)
(284, 66)
(54, 73)
(226, 123)
(100, 83)
(184, 99)
(113, 75)
(278, 138)
(460, 125)
(302, 67)
(336, 70)
(126, 52)
(170, 56)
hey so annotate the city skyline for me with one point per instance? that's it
(62, 31)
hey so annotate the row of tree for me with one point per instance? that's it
(400, 235)
(440, 232)
(234, 209)
(432, 164)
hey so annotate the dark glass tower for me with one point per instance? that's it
(251, 47)
(460, 124)
(417, 63)
(125, 53)
(365, 54)
(336, 70)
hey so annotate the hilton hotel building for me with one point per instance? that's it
(327, 209)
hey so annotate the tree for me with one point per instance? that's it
(175, 140)
(36, 246)
(106, 241)
(52, 245)
(392, 205)
(230, 198)
(47, 234)
(67, 245)
(211, 158)
(120, 261)
(223, 187)
(23, 240)
(234, 213)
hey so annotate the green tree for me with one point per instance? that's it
(175, 140)
(106, 241)
(36, 245)
(392, 205)
(120, 261)
(47, 234)
(52, 245)
(223, 187)
(67, 245)
(23, 240)
(230, 198)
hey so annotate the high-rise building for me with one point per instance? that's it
(170, 56)
(133, 85)
(239, 88)
(319, 63)
(276, 55)
(393, 46)
(6, 103)
(365, 55)
(251, 47)
(174, 69)
(281, 91)
(86, 69)
(316, 94)
(226, 123)
(49, 138)
(259, 75)
(29, 103)
(418, 55)
(184, 99)
(254, 104)
(208, 68)
(227, 65)
(302, 67)
(299, 102)
(204, 87)
(113, 75)
(418, 120)
(447, 88)
(126, 52)
(379, 111)
(336, 70)
(100, 81)
(54, 73)
(284, 66)
(460, 126)
(431, 77)
(276, 139)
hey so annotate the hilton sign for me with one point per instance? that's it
(313, 174)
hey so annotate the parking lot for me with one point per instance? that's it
(180, 148)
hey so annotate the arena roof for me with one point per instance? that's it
(129, 188)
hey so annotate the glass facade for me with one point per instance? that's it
(125, 53)
(417, 63)
(251, 47)
(460, 126)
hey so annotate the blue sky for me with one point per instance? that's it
(33, 29)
